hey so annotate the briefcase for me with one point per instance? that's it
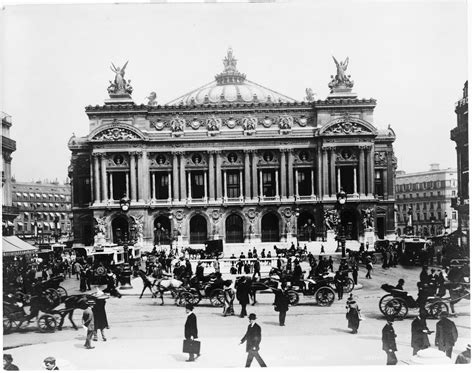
(191, 346)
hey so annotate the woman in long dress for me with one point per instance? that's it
(352, 315)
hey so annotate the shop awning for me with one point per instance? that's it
(50, 195)
(56, 196)
(18, 194)
(32, 195)
(12, 246)
(25, 194)
(38, 195)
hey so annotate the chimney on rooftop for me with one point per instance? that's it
(434, 167)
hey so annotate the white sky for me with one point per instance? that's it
(410, 56)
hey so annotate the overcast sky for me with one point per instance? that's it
(410, 56)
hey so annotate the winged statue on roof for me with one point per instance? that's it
(120, 85)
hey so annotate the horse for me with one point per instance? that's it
(161, 285)
(74, 302)
(147, 284)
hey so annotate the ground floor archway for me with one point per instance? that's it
(197, 229)
(306, 227)
(161, 230)
(120, 230)
(270, 228)
(349, 220)
(234, 229)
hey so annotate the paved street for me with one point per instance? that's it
(153, 334)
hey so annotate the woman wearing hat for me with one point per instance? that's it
(352, 315)
(100, 316)
(8, 362)
(229, 296)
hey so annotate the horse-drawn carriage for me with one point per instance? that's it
(212, 249)
(196, 290)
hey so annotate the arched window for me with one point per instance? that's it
(197, 230)
(270, 228)
(161, 230)
(234, 229)
(120, 233)
(306, 227)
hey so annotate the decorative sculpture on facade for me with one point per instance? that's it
(330, 219)
(346, 128)
(116, 134)
(177, 125)
(367, 218)
(138, 221)
(152, 99)
(100, 229)
(380, 158)
(341, 80)
(119, 86)
(309, 95)
(249, 123)
(214, 124)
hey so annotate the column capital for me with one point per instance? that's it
(285, 150)
(365, 147)
(248, 151)
(135, 152)
(97, 155)
(178, 152)
(329, 148)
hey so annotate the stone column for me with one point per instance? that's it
(291, 183)
(175, 178)
(247, 174)
(355, 180)
(389, 181)
(153, 185)
(362, 170)
(189, 186)
(182, 175)
(133, 177)
(241, 193)
(385, 184)
(127, 183)
(205, 185)
(277, 189)
(320, 173)
(261, 184)
(218, 176)
(103, 172)
(225, 185)
(111, 186)
(297, 187)
(338, 187)
(255, 191)
(169, 186)
(325, 174)
(146, 176)
(95, 157)
(370, 171)
(212, 193)
(332, 169)
(312, 182)
(283, 173)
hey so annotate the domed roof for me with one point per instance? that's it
(229, 87)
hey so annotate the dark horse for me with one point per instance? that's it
(79, 301)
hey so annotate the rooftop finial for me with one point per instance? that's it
(230, 62)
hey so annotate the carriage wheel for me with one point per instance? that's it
(217, 298)
(396, 307)
(383, 302)
(435, 309)
(325, 296)
(47, 323)
(62, 292)
(293, 296)
(182, 298)
(348, 285)
(7, 325)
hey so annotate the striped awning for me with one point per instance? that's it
(18, 194)
(12, 245)
(56, 195)
(32, 195)
(44, 195)
(50, 195)
(25, 194)
(38, 195)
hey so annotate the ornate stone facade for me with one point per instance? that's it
(254, 167)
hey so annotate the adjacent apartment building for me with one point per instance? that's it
(426, 196)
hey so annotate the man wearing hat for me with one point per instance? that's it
(88, 322)
(253, 338)
(8, 362)
(446, 334)
(50, 363)
(389, 345)
(419, 333)
(190, 328)
(465, 356)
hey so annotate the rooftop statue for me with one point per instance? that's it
(341, 80)
(309, 95)
(152, 99)
(119, 86)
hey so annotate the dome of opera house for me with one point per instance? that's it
(231, 87)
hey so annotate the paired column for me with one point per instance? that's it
(95, 158)
(261, 184)
(218, 175)
(225, 185)
(320, 173)
(175, 178)
(332, 168)
(169, 186)
(362, 170)
(241, 196)
(255, 193)
(297, 187)
(153, 186)
(325, 174)
(189, 186)
(283, 173)
(291, 183)
(205, 185)
(103, 171)
(370, 172)
(389, 181)
(338, 187)
(212, 193)
(133, 177)
(146, 175)
(247, 175)
(111, 186)
(182, 175)
(277, 190)
(355, 180)
(312, 182)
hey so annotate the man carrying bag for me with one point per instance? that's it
(190, 345)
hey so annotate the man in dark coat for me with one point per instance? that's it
(419, 333)
(281, 303)
(242, 288)
(256, 269)
(190, 328)
(446, 334)
(389, 345)
(465, 356)
(253, 338)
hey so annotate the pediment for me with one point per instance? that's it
(348, 126)
(116, 132)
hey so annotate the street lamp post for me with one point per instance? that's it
(432, 221)
(341, 201)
